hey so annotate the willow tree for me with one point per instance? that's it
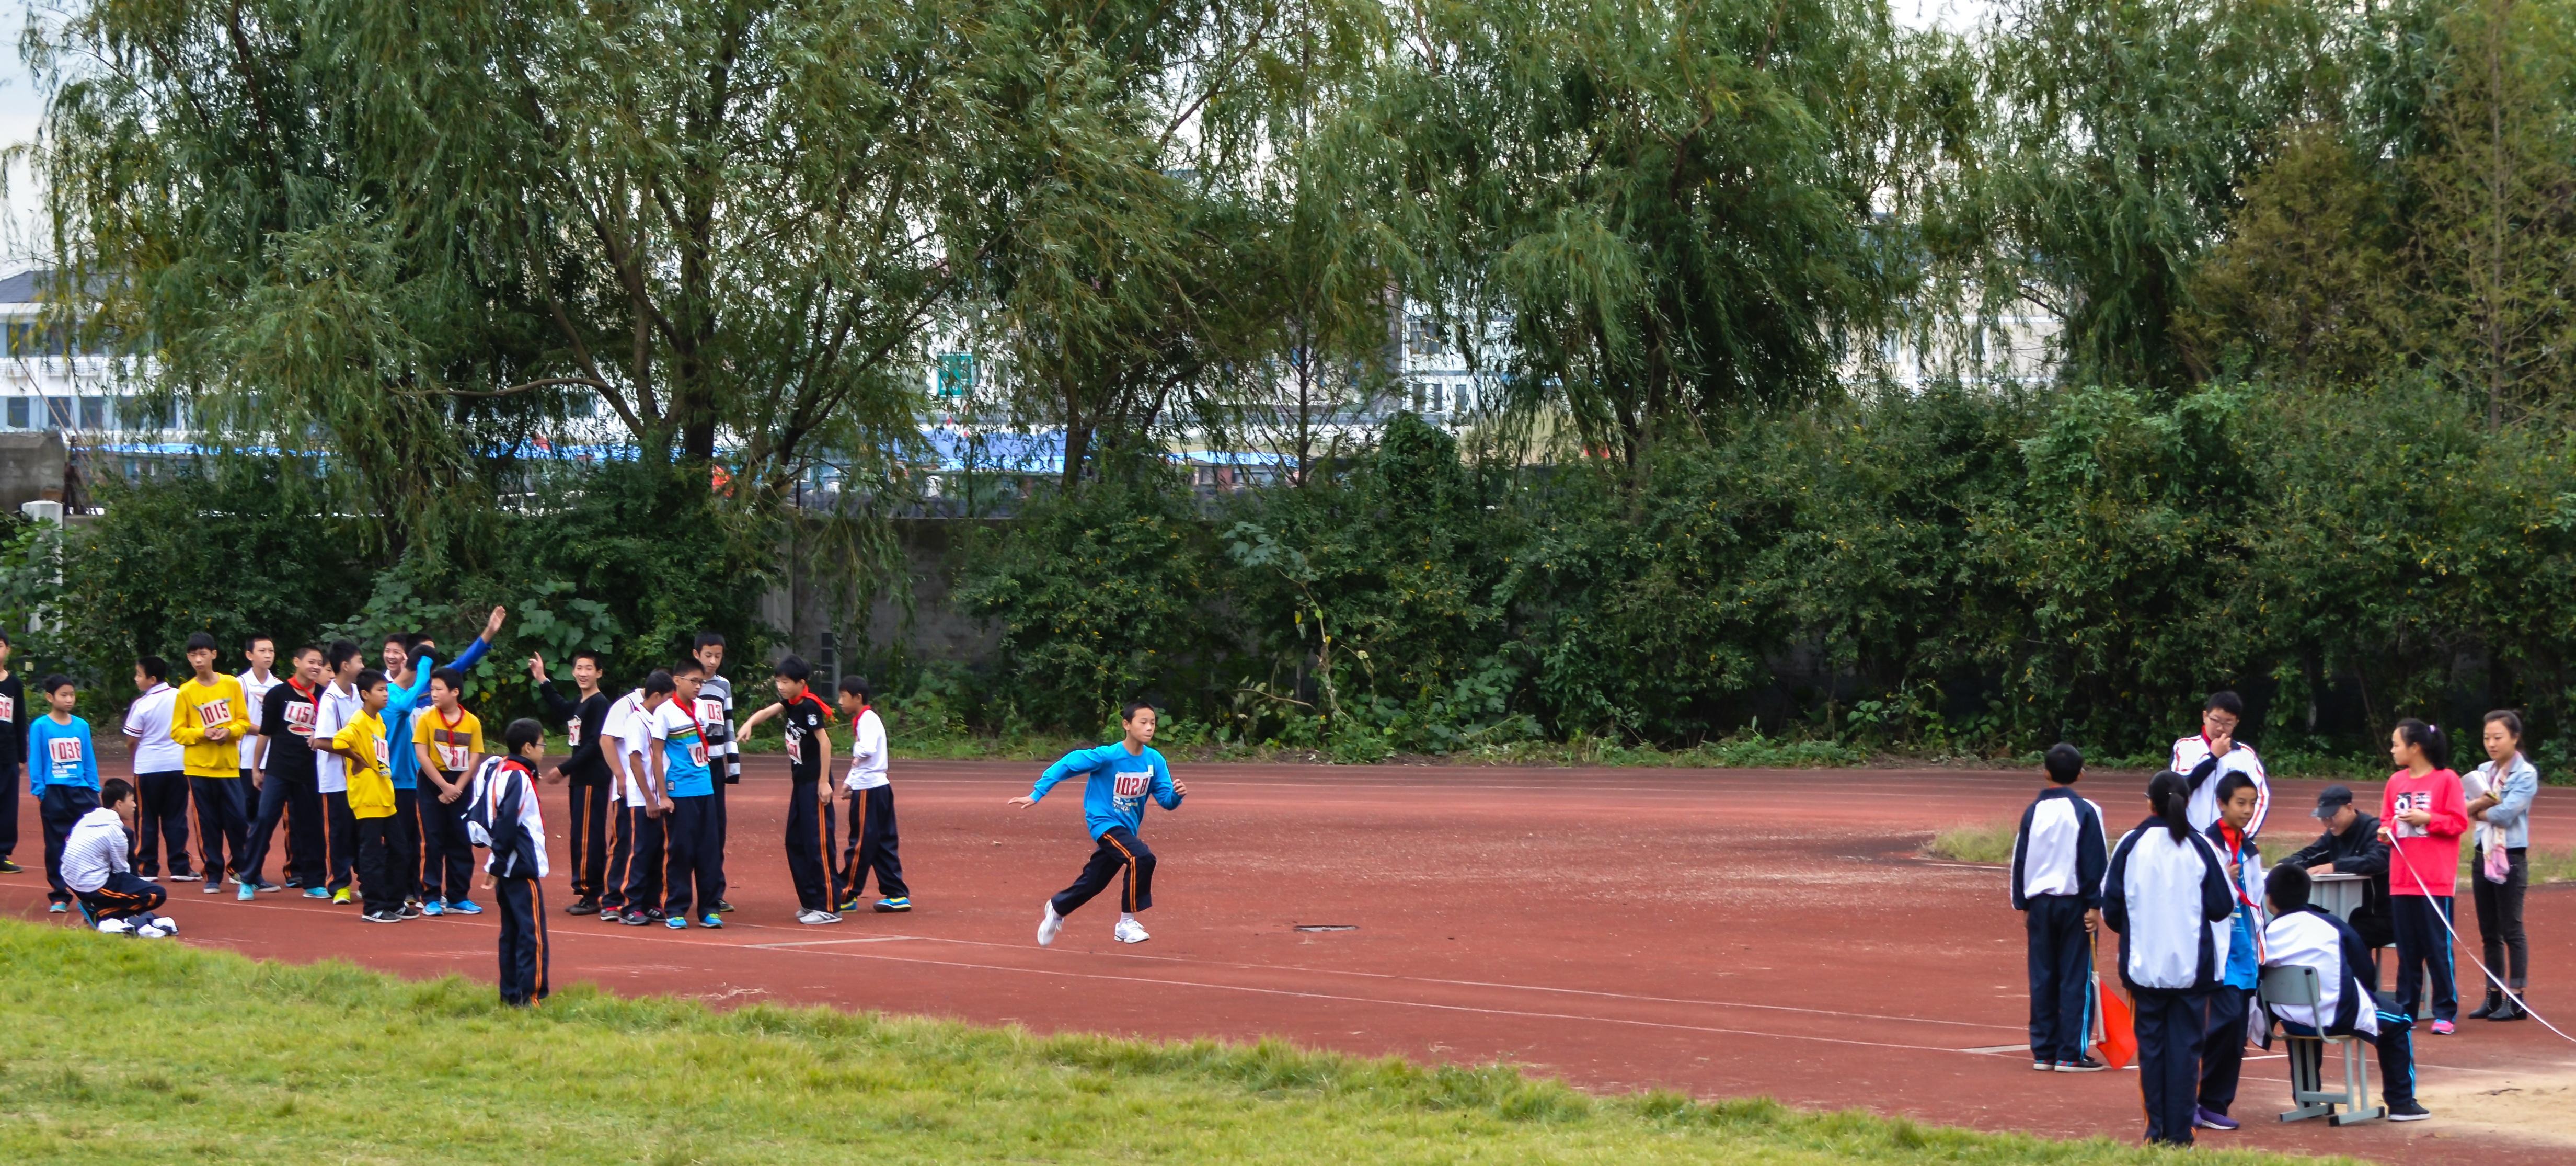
(1666, 210)
(408, 233)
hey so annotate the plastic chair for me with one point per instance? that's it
(2298, 986)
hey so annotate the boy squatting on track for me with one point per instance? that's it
(1119, 779)
(95, 867)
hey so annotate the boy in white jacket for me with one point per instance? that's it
(95, 868)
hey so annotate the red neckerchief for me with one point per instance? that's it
(299, 688)
(449, 725)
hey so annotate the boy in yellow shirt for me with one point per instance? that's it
(371, 800)
(446, 739)
(209, 718)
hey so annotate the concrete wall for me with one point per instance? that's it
(32, 466)
(803, 606)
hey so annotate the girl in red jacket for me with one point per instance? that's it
(2423, 815)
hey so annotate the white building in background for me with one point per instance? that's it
(52, 383)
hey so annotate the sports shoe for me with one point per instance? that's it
(850, 906)
(176, 878)
(2444, 1028)
(2210, 1119)
(167, 925)
(115, 927)
(894, 906)
(57, 908)
(317, 893)
(381, 917)
(410, 911)
(8, 866)
(2407, 1110)
(1129, 931)
(582, 907)
(1047, 927)
(2080, 1065)
(816, 918)
(464, 907)
(433, 908)
(149, 931)
(610, 914)
(264, 887)
(2043, 1066)
(214, 886)
(711, 919)
(342, 897)
(724, 908)
(653, 913)
(677, 923)
(248, 893)
(634, 918)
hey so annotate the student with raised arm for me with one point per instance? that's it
(409, 660)
(587, 771)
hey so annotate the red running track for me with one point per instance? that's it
(1717, 932)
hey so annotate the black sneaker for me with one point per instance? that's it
(9, 867)
(635, 918)
(409, 911)
(2084, 1064)
(380, 917)
(2407, 1110)
(723, 908)
(582, 907)
(654, 914)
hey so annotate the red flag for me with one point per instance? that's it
(2117, 1043)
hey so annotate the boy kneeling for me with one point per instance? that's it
(95, 868)
(2302, 935)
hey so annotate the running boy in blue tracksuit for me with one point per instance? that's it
(1118, 779)
(2059, 856)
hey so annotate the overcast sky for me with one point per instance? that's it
(21, 106)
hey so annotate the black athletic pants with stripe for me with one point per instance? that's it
(621, 848)
(223, 824)
(693, 848)
(809, 846)
(343, 834)
(123, 896)
(589, 838)
(1118, 859)
(522, 903)
(161, 822)
(9, 758)
(59, 809)
(446, 850)
(872, 843)
(644, 859)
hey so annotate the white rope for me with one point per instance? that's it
(2457, 944)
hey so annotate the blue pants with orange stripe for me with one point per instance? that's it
(522, 903)
(1119, 859)
(123, 896)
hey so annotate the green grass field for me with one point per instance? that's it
(127, 1050)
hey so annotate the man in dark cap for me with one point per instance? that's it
(2351, 845)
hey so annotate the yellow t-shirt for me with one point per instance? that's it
(453, 743)
(371, 784)
(200, 707)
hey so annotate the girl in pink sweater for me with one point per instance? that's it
(2423, 814)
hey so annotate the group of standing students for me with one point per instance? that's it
(2199, 916)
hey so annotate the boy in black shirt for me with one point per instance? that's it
(288, 784)
(809, 800)
(13, 749)
(587, 771)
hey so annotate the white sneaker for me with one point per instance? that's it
(816, 918)
(1129, 931)
(148, 931)
(1048, 926)
(115, 927)
(827, 917)
(168, 925)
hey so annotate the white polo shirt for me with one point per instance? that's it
(148, 722)
(255, 690)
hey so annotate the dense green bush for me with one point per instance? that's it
(1950, 570)
(619, 558)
